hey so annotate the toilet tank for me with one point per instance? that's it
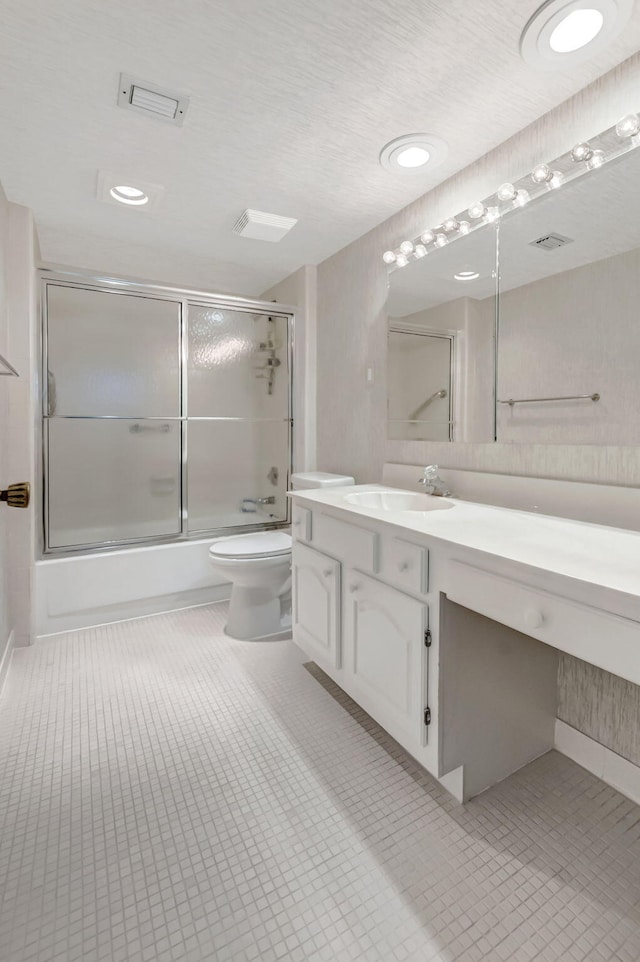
(318, 479)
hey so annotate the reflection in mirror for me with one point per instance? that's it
(569, 301)
(442, 310)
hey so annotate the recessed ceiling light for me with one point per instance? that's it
(466, 275)
(122, 189)
(129, 195)
(413, 152)
(566, 32)
(577, 29)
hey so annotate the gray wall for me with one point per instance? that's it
(352, 325)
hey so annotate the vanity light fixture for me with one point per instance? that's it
(583, 157)
(596, 160)
(506, 192)
(581, 152)
(629, 126)
(411, 153)
(477, 210)
(466, 276)
(566, 32)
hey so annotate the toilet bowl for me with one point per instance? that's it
(258, 565)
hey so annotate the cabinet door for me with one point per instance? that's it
(316, 605)
(385, 658)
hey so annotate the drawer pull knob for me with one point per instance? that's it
(533, 618)
(327, 572)
(354, 588)
(404, 566)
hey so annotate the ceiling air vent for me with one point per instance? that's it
(261, 226)
(551, 242)
(152, 100)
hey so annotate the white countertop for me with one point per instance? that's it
(603, 557)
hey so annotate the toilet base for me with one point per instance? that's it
(255, 614)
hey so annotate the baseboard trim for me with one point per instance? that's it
(613, 769)
(6, 658)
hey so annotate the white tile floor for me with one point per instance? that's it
(169, 794)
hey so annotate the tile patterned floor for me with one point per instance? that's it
(169, 794)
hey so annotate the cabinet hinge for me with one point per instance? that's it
(427, 716)
(427, 638)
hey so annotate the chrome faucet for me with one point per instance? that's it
(433, 483)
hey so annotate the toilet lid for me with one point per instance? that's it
(260, 544)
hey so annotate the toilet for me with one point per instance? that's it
(258, 565)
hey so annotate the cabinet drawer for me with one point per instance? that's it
(405, 565)
(598, 637)
(347, 542)
(301, 520)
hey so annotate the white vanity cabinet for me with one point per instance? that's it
(445, 625)
(385, 655)
(351, 619)
(316, 605)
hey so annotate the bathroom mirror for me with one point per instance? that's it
(440, 374)
(569, 328)
(560, 364)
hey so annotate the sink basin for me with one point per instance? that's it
(397, 501)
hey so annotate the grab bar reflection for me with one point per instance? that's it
(138, 428)
(437, 394)
(534, 400)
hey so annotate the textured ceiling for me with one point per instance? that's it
(291, 102)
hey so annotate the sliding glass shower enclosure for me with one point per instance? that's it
(167, 415)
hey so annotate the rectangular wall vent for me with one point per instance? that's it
(551, 242)
(152, 100)
(261, 226)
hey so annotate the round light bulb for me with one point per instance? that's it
(428, 237)
(465, 226)
(492, 215)
(581, 152)
(477, 210)
(577, 29)
(421, 250)
(406, 247)
(401, 261)
(389, 257)
(451, 226)
(441, 240)
(506, 192)
(522, 198)
(541, 174)
(556, 180)
(629, 126)
(412, 157)
(596, 160)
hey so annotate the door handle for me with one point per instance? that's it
(17, 495)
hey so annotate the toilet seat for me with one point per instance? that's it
(252, 547)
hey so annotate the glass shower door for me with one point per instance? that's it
(112, 417)
(239, 419)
